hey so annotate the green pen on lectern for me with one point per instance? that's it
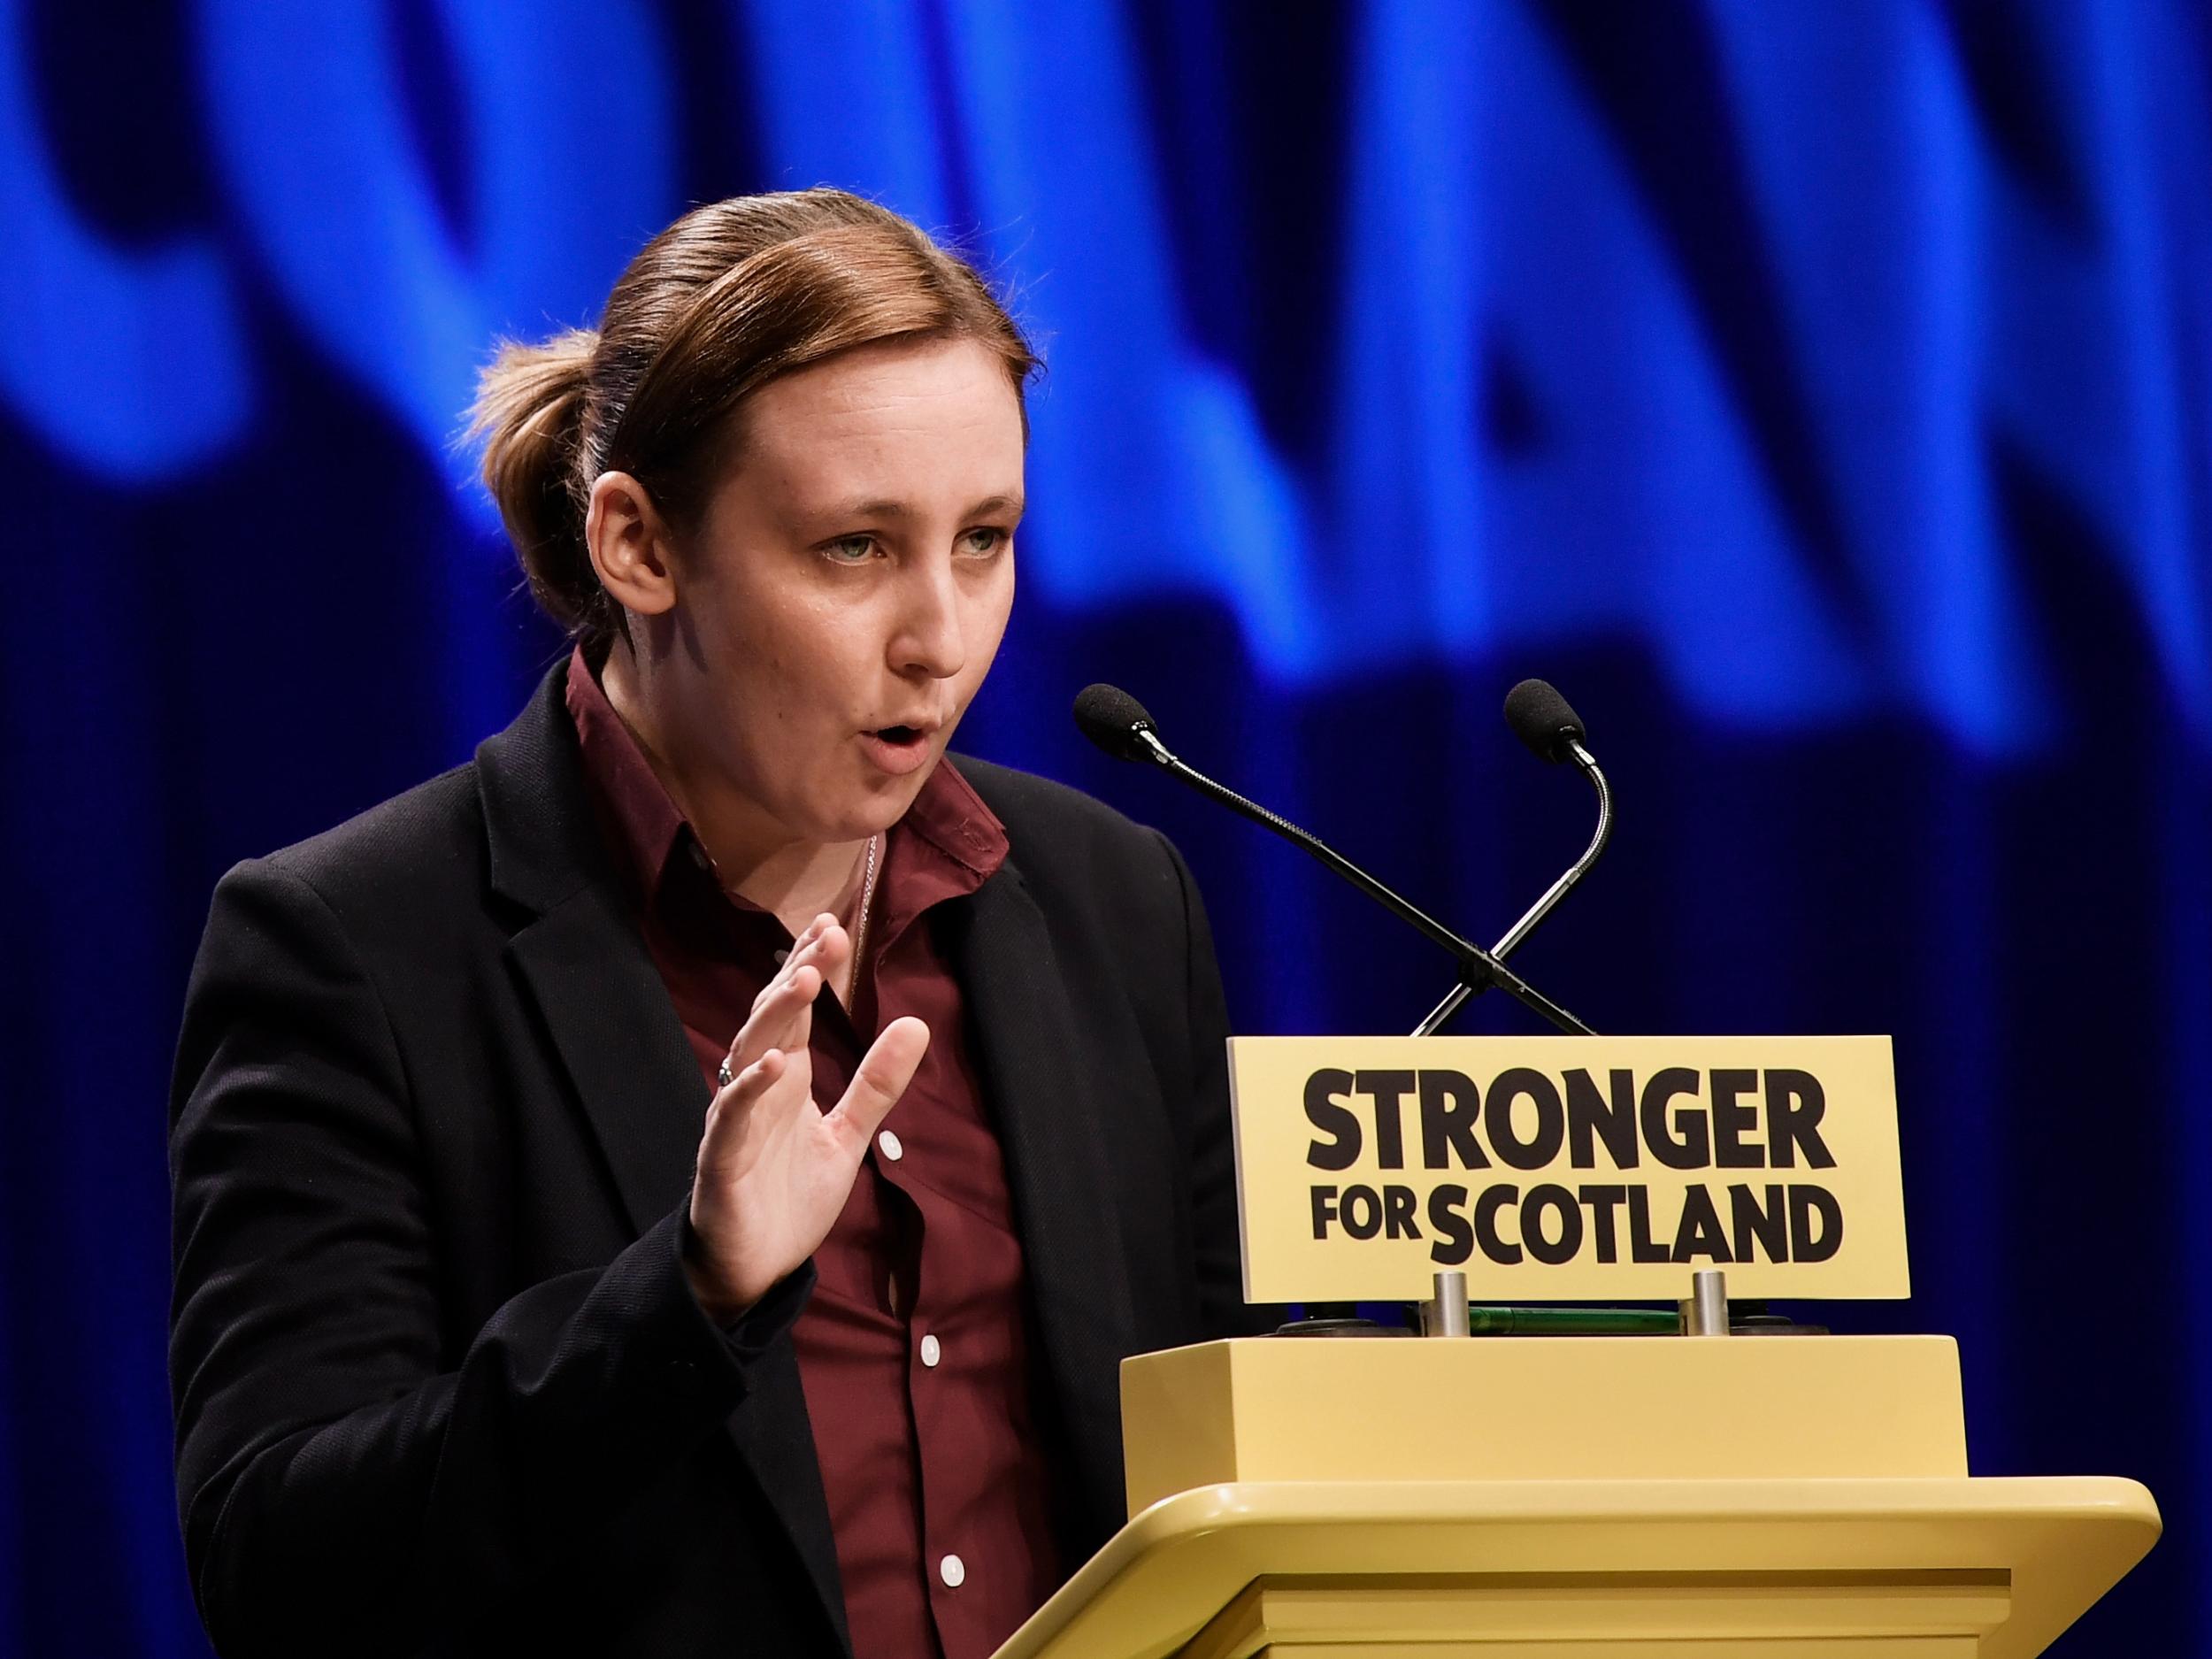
(1572, 1322)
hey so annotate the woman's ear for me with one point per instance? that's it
(629, 544)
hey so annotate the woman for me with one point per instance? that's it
(685, 1182)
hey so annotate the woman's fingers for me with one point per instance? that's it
(822, 950)
(730, 1114)
(808, 966)
(770, 1023)
(805, 950)
(733, 1109)
(828, 952)
(773, 1023)
(885, 1071)
(786, 1022)
(774, 1171)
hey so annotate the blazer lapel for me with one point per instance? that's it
(1044, 1089)
(618, 1037)
(579, 952)
(625, 1049)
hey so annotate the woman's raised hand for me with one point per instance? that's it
(774, 1170)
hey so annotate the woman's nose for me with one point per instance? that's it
(929, 639)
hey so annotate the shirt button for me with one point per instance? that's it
(953, 1570)
(782, 956)
(888, 1144)
(930, 1350)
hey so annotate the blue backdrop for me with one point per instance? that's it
(1819, 394)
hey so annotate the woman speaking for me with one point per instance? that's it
(683, 1182)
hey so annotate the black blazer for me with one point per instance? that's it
(441, 1385)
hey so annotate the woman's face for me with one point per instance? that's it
(848, 585)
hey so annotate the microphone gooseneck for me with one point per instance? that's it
(1542, 719)
(1117, 722)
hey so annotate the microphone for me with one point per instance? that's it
(1117, 722)
(1542, 719)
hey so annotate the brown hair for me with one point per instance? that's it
(725, 300)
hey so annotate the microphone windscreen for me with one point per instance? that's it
(1111, 717)
(1541, 717)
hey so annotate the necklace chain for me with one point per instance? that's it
(859, 929)
(860, 924)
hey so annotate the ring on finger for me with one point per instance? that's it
(723, 1074)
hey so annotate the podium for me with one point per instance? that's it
(1770, 1497)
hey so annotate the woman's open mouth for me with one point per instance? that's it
(897, 749)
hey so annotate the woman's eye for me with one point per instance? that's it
(983, 541)
(850, 549)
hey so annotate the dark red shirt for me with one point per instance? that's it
(914, 1349)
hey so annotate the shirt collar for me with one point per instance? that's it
(641, 821)
(948, 844)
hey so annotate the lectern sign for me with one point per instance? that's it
(1567, 1169)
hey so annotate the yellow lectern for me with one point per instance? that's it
(1576, 1498)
